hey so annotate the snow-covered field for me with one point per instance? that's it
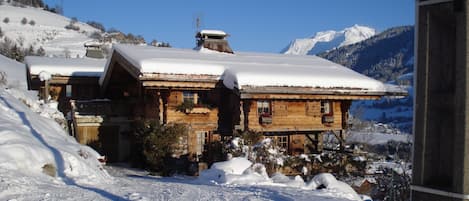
(48, 31)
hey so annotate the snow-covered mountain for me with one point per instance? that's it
(327, 40)
(27, 26)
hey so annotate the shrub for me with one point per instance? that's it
(6, 20)
(32, 22)
(96, 35)
(158, 143)
(24, 21)
(72, 24)
(96, 25)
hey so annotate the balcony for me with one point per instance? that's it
(327, 119)
(265, 119)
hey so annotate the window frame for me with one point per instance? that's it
(68, 91)
(327, 107)
(262, 105)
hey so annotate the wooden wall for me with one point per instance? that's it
(199, 119)
(82, 88)
(292, 115)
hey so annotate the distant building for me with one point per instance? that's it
(292, 99)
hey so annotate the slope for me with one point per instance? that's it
(27, 26)
(388, 57)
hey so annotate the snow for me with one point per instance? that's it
(15, 72)
(327, 40)
(48, 32)
(30, 141)
(333, 185)
(86, 67)
(213, 32)
(237, 172)
(44, 75)
(374, 138)
(243, 70)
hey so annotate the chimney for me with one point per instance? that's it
(213, 40)
(94, 50)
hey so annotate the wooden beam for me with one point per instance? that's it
(308, 96)
(178, 84)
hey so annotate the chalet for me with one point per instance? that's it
(292, 99)
(71, 78)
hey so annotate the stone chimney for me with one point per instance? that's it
(94, 50)
(213, 40)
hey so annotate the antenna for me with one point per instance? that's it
(198, 21)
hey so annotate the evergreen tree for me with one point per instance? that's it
(24, 21)
(40, 51)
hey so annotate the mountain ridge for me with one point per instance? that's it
(327, 40)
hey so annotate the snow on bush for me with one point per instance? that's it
(296, 182)
(31, 142)
(332, 185)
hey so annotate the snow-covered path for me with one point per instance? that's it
(129, 184)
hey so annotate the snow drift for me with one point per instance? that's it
(33, 142)
(240, 171)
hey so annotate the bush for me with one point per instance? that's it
(32, 22)
(96, 25)
(24, 21)
(72, 24)
(158, 143)
(96, 35)
(6, 20)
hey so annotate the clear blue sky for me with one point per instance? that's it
(254, 25)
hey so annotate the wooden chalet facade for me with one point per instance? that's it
(214, 94)
(71, 79)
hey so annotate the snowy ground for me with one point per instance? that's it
(128, 184)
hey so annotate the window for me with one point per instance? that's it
(189, 97)
(263, 107)
(199, 98)
(68, 91)
(282, 141)
(202, 137)
(326, 107)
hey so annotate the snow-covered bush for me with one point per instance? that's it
(237, 170)
(252, 146)
(6, 20)
(329, 182)
(32, 22)
(24, 21)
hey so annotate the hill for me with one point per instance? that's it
(388, 57)
(385, 56)
(29, 27)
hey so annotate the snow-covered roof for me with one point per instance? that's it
(85, 67)
(213, 32)
(15, 71)
(243, 70)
